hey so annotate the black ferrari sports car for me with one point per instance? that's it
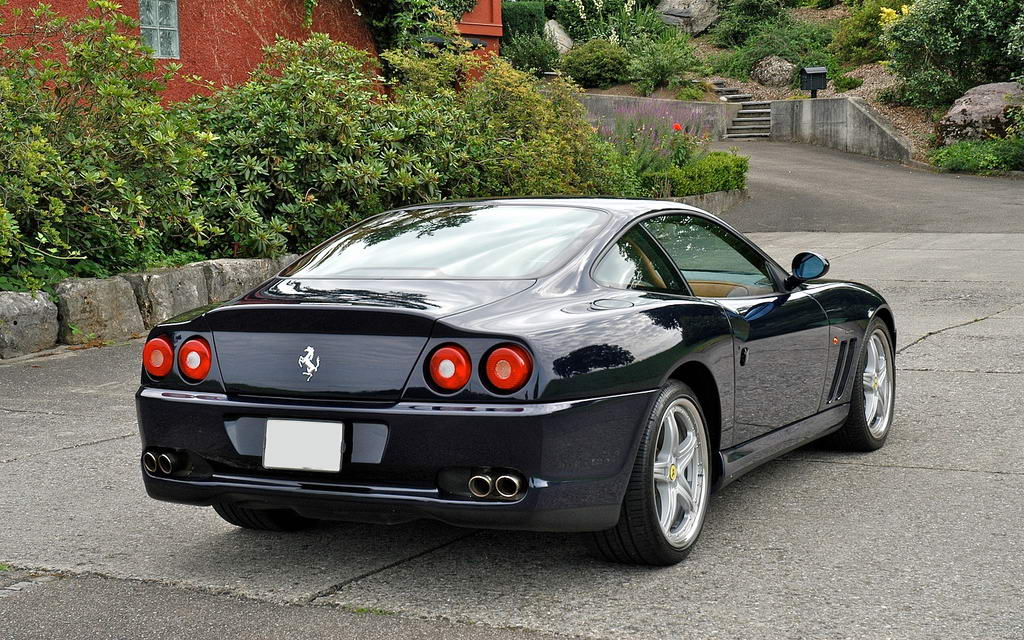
(561, 364)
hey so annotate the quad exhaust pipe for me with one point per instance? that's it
(505, 486)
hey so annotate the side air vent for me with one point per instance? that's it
(847, 351)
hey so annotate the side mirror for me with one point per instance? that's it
(806, 266)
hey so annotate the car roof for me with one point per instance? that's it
(620, 209)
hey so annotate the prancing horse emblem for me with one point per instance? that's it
(306, 360)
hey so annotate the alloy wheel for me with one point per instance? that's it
(681, 476)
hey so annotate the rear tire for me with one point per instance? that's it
(262, 519)
(666, 499)
(873, 399)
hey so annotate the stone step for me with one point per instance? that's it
(757, 129)
(756, 105)
(737, 97)
(755, 112)
(749, 120)
(726, 90)
(736, 136)
(719, 83)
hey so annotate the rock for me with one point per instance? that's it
(692, 16)
(165, 293)
(773, 71)
(228, 278)
(286, 261)
(556, 34)
(94, 308)
(981, 112)
(28, 323)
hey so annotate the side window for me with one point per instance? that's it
(159, 22)
(715, 262)
(636, 263)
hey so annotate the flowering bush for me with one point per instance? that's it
(941, 48)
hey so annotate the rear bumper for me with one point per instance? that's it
(576, 457)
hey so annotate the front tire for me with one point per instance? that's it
(666, 499)
(873, 399)
(262, 519)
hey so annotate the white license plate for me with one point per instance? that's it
(305, 445)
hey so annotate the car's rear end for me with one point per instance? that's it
(362, 398)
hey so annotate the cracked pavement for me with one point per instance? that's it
(921, 539)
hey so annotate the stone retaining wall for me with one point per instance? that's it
(126, 305)
(712, 118)
(846, 124)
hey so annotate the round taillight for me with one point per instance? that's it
(194, 359)
(508, 367)
(450, 367)
(158, 356)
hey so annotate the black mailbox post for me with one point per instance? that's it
(812, 79)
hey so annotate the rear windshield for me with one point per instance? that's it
(487, 241)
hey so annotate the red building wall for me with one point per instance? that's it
(221, 40)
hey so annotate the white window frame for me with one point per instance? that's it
(159, 29)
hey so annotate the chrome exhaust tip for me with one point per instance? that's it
(480, 486)
(149, 462)
(508, 486)
(167, 462)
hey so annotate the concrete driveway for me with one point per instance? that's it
(921, 539)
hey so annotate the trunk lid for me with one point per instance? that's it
(337, 339)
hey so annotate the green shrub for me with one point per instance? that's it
(692, 91)
(844, 83)
(596, 64)
(983, 156)
(858, 41)
(944, 47)
(530, 53)
(309, 145)
(741, 18)
(655, 64)
(523, 17)
(715, 171)
(802, 43)
(95, 175)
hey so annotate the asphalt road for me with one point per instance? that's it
(801, 187)
(921, 539)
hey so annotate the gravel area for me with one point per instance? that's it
(820, 16)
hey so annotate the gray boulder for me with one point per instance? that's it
(165, 293)
(28, 323)
(94, 308)
(692, 16)
(228, 278)
(554, 32)
(773, 71)
(981, 112)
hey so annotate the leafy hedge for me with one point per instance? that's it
(525, 17)
(96, 176)
(716, 171)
